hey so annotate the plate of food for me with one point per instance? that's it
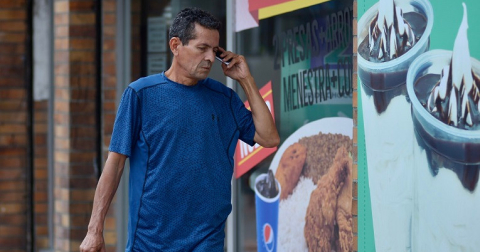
(309, 163)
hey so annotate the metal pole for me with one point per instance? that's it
(123, 50)
(30, 246)
(232, 219)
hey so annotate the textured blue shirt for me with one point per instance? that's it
(180, 141)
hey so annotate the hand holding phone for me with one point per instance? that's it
(217, 56)
(233, 65)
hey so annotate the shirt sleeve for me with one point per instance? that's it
(127, 124)
(244, 119)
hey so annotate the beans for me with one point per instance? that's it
(321, 150)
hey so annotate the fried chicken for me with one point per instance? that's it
(290, 168)
(322, 208)
(344, 214)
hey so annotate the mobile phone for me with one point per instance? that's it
(217, 56)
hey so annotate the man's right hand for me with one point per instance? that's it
(93, 243)
(106, 187)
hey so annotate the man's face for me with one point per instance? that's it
(196, 58)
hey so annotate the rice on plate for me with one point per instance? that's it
(292, 210)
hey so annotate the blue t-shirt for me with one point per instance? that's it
(180, 141)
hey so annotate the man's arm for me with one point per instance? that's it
(106, 188)
(265, 131)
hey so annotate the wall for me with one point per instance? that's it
(14, 130)
(79, 92)
(78, 99)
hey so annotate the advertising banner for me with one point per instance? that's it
(304, 199)
(418, 127)
(246, 156)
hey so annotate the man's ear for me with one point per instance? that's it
(174, 43)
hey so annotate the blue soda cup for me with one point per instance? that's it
(267, 197)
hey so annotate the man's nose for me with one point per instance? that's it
(210, 56)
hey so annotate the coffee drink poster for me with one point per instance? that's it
(418, 125)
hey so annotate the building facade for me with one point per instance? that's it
(63, 67)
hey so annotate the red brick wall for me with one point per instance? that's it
(41, 179)
(14, 115)
(75, 125)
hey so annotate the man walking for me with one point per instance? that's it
(179, 129)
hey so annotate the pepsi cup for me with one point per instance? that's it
(267, 215)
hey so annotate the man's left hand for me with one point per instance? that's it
(237, 69)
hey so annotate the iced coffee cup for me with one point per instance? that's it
(391, 35)
(447, 162)
(443, 87)
(383, 60)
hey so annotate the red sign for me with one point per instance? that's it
(246, 156)
(255, 5)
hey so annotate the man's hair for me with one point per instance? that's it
(184, 24)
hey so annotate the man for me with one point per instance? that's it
(179, 129)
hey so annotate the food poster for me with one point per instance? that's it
(418, 125)
(315, 79)
(304, 203)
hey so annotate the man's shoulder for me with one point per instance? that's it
(217, 86)
(147, 81)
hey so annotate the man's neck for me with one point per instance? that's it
(175, 74)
